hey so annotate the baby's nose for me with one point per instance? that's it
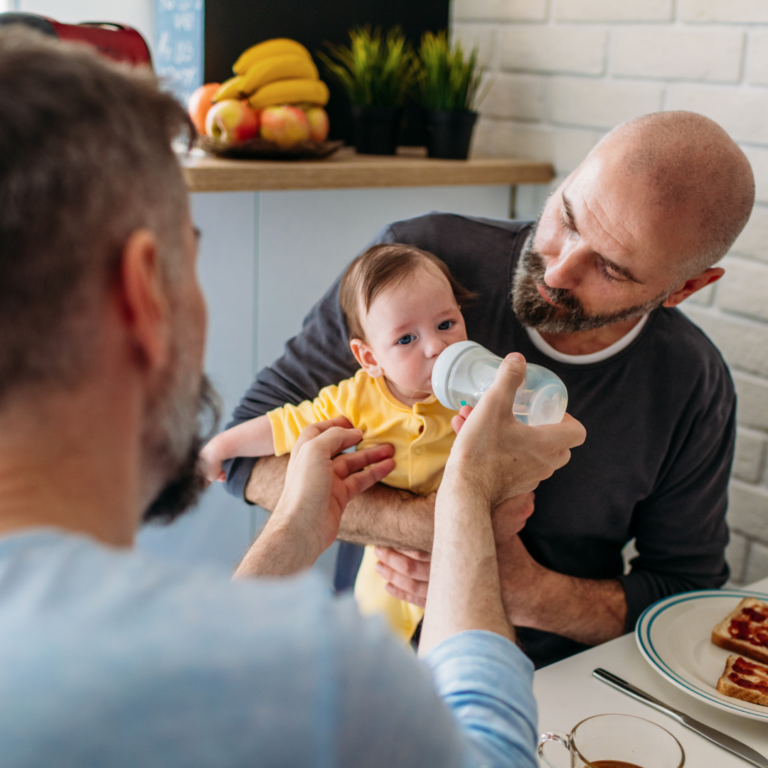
(434, 346)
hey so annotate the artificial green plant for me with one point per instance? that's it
(375, 69)
(449, 80)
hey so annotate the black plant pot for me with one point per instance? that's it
(376, 129)
(449, 134)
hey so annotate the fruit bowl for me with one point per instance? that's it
(262, 149)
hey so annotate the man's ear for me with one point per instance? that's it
(689, 287)
(364, 355)
(144, 298)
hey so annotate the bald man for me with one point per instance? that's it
(589, 291)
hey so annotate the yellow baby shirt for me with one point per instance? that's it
(422, 437)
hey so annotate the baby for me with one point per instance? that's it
(402, 309)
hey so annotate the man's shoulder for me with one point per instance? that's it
(119, 654)
(164, 606)
(680, 346)
(449, 232)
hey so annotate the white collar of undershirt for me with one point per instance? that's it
(594, 357)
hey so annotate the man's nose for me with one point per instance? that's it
(565, 270)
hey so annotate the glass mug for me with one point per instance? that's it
(617, 741)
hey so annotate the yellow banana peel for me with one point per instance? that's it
(276, 68)
(229, 89)
(293, 91)
(279, 46)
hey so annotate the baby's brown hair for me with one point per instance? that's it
(380, 267)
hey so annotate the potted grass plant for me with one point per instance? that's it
(449, 84)
(377, 71)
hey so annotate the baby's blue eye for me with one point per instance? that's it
(445, 325)
(407, 339)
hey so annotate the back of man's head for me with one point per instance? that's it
(687, 168)
(85, 159)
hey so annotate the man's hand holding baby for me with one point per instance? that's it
(319, 483)
(407, 571)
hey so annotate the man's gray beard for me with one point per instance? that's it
(569, 316)
(184, 415)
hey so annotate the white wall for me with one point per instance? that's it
(564, 72)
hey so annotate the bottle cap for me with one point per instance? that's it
(441, 373)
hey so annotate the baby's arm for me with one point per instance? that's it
(251, 438)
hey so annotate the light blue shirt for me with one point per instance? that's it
(111, 658)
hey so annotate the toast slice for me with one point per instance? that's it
(745, 630)
(745, 680)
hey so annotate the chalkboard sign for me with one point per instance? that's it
(179, 45)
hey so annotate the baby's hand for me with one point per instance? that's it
(211, 462)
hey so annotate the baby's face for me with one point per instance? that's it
(408, 326)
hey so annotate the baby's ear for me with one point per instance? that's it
(364, 355)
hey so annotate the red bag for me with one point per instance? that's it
(116, 41)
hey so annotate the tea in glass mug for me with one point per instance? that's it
(617, 741)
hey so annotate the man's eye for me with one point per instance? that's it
(407, 339)
(567, 228)
(446, 325)
(608, 275)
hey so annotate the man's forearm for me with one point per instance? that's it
(586, 610)
(279, 551)
(464, 590)
(589, 611)
(389, 517)
(382, 516)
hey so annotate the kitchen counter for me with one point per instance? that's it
(347, 170)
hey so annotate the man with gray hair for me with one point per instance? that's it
(589, 291)
(111, 658)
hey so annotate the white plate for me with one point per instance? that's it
(674, 635)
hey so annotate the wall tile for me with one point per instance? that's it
(613, 10)
(758, 158)
(740, 112)
(501, 10)
(752, 396)
(748, 509)
(742, 342)
(757, 563)
(750, 455)
(736, 557)
(606, 103)
(743, 288)
(753, 241)
(574, 49)
(518, 97)
(680, 53)
(747, 11)
(757, 60)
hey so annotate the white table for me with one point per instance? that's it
(567, 693)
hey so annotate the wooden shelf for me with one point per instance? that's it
(346, 169)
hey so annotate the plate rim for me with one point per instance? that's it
(659, 665)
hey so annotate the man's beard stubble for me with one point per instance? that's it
(569, 316)
(175, 446)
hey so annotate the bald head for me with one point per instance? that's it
(685, 169)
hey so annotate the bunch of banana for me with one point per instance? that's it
(278, 71)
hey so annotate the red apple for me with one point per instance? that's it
(318, 123)
(199, 103)
(285, 126)
(232, 121)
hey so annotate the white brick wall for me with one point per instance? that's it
(563, 72)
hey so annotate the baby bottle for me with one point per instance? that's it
(465, 370)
